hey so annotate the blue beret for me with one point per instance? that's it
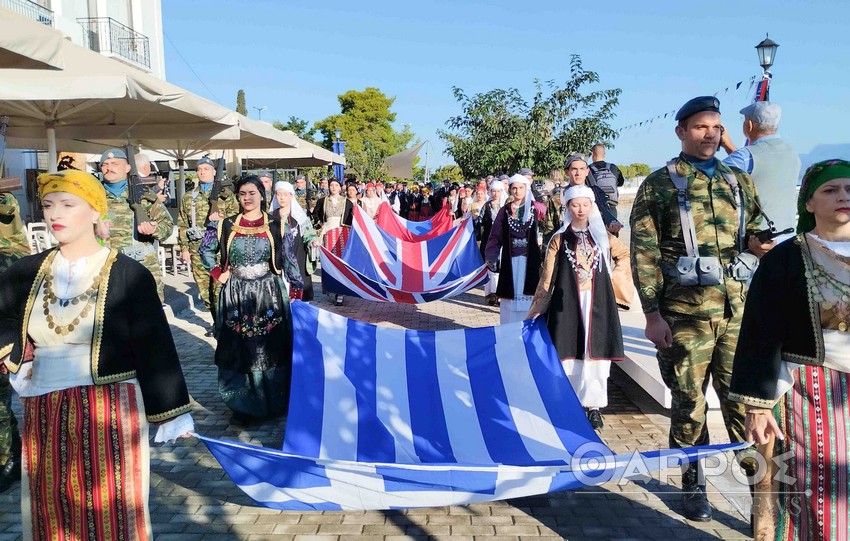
(698, 105)
(205, 160)
(113, 153)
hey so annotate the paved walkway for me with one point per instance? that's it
(192, 499)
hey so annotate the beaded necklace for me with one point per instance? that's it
(516, 224)
(587, 252)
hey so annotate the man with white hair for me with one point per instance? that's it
(771, 162)
(513, 251)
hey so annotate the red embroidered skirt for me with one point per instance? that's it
(816, 425)
(86, 465)
(336, 239)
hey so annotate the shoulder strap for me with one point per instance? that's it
(732, 180)
(686, 218)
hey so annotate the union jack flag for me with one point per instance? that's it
(380, 267)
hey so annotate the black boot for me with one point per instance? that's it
(595, 418)
(10, 472)
(694, 501)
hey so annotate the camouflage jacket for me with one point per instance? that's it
(656, 239)
(121, 221)
(13, 238)
(227, 206)
(307, 199)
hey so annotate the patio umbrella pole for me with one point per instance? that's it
(51, 150)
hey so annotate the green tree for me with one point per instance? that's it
(241, 108)
(367, 128)
(500, 131)
(299, 126)
(451, 172)
(640, 169)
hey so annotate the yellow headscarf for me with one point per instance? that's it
(79, 183)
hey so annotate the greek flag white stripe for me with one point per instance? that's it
(462, 423)
(339, 436)
(392, 400)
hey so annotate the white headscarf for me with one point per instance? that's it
(295, 209)
(498, 185)
(595, 225)
(520, 179)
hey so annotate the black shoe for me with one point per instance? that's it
(240, 419)
(694, 502)
(595, 418)
(339, 300)
(10, 473)
(210, 332)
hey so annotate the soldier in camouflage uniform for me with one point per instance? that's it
(13, 246)
(115, 169)
(694, 328)
(306, 198)
(198, 221)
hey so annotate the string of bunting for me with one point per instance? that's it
(671, 114)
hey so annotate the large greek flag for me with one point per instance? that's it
(385, 418)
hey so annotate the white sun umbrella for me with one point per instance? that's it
(306, 154)
(100, 101)
(28, 44)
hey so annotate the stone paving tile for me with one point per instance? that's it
(192, 499)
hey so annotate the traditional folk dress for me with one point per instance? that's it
(103, 365)
(370, 205)
(298, 236)
(333, 216)
(488, 216)
(794, 356)
(577, 298)
(253, 326)
(513, 242)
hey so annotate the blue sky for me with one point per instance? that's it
(295, 58)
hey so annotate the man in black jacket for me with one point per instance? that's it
(607, 176)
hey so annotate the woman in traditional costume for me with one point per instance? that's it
(414, 204)
(577, 298)
(478, 202)
(90, 353)
(370, 201)
(792, 366)
(298, 237)
(426, 205)
(496, 201)
(253, 326)
(333, 216)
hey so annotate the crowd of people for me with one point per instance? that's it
(764, 317)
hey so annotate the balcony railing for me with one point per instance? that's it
(29, 9)
(106, 35)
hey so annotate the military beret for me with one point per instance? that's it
(205, 160)
(698, 105)
(113, 153)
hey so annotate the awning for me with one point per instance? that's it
(306, 154)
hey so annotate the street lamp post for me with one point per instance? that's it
(766, 50)
(338, 148)
(260, 111)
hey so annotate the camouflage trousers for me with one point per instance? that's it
(701, 348)
(207, 287)
(8, 423)
(151, 262)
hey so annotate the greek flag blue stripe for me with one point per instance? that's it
(455, 480)
(491, 402)
(427, 418)
(551, 381)
(374, 442)
(307, 395)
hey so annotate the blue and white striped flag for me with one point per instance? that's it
(385, 418)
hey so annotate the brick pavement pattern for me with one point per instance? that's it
(192, 499)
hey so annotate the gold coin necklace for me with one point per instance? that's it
(87, 299)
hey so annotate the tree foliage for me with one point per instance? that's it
(241, 108)
(500, 131)
(299, 126)
(635, 170)
(451, 172)
(367, 129)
